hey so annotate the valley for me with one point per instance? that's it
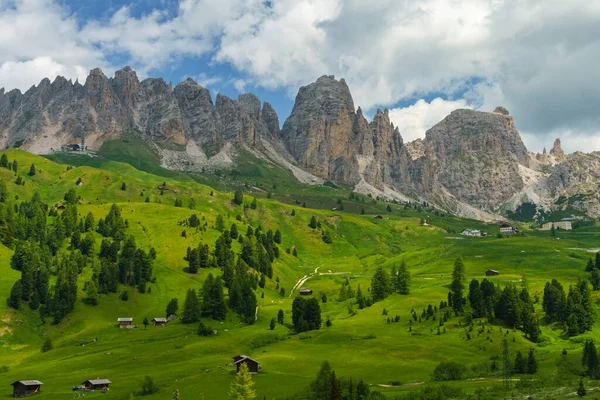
(394, 358)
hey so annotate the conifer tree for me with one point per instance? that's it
(280, 317)
(520, 366)
(380, 285)
(402, 279)
(313, 222)
(191, 308)
(4, 161)
(242, 386)
(457, 286)
(254, 204)
(220, 223)
(15, 166)
(172, 308)
(532, 366)
(238, 197)
(32, 170)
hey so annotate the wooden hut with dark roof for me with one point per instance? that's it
(253, 365)
(96, 384)
(26, 387)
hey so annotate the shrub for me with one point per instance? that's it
(47, 346)
(124, 296)
(448, 371)
(148, 386)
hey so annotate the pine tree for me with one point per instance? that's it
(123, 186)
(326, 236)
(32, 170)
(402, 279)
(313, 222)
(595, 278)
(598, 260)
(15, 166)
(191, 308)
(92, 293)
(14, 300)
(457, 286)
(146, 323)
(238, 197)
(581, 389)
(272, 324)
(242, 386)
(254, 204)
(280, 317)
(4, 161)
(220, 223)
(520, 366)
(47, 345)
(277, 237)
(172, 308)
(380, 285)
(532, 366)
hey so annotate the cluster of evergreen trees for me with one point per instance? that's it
(5, 163)
(594, 269)
(327, 386)
(574, 311)
(209, 301)
(524, 365)
(382, 285)
(306, 314)
(590, 360)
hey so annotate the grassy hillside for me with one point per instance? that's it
(359, 344)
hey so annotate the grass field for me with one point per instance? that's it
(88, 343)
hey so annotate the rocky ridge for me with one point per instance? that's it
(473, 163)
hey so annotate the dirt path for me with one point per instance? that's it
(302, 280)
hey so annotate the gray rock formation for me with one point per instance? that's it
(469, 161)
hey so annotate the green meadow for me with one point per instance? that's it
(390, 357)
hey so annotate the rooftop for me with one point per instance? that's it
(98, 381)
(125, 319)
(31, 382)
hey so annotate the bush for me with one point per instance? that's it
(124, 296)
(204, 330)
(47, 346)
(148, 386)
(448, 371)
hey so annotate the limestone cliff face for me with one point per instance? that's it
(51, 114)
(471, 161)
(327, 137)
(474, 156)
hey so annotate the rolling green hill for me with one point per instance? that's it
(395, 358)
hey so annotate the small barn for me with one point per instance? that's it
(125, 322)
(26, 388)
(96, 384)
(491, 272)
(253, 365)
(378, 217)
(306, 292)
(159, 321)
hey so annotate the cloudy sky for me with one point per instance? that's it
(419, 58)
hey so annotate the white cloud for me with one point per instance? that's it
(22, 74)
(38, 39)
(413, 121)
(537, 58)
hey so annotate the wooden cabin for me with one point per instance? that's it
(159, 321)
(96, 384)
(491, 272)
(253, 365)
(306, 292)
(125, 322)
(26, 388)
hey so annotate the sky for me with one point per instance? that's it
(420, 59)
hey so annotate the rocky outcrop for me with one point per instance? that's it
(327, 137)
(471, 162)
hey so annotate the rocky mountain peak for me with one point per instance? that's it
(501, 110)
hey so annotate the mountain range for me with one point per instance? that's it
(471, 163)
